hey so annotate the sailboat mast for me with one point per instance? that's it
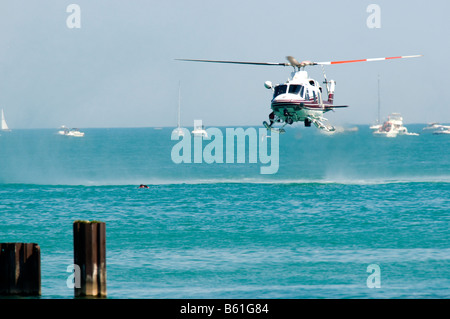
(378, 99)
(179, 103)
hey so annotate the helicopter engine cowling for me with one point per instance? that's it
(268, 85)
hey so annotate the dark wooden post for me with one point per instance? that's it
(89, 243)
(20, 269)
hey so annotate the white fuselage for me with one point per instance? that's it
(300, 97)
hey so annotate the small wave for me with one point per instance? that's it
(281, 181)
(273, 181)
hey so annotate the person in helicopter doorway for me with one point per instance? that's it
(271, 118)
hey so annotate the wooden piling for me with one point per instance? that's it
(89, 242)
(20, 269)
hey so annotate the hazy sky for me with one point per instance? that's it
(118, 69)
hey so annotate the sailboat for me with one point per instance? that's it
(4, 125)
(179, 131)
(378, 125)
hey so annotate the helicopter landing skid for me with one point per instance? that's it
(321, 125)
(274, 129)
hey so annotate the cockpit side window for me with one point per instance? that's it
(280, 89)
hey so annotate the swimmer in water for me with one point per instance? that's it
(143, 186)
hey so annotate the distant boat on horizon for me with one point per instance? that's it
(4, 126)
(437, 128)
(199, 130)
(65, 131)
(442, 130)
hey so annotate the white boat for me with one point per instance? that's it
(442, 130)
(63, 130)
(4, 126)
(437, 128)
(375, 126)
(393, 127)
(70, 132)
(199, 130)
(432, 127)
(75, 132)
(179, 131)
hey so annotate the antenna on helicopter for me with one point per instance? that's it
(326, 81)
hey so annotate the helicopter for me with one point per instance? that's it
(299, 99)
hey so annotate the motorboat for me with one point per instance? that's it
(442, 130)
(199, 130)
(75, 132)
(63, 130)
(437, 128)
(393, 127)
(432, 127)
(70, 132)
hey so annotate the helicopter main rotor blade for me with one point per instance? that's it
(237, 62)
(367, 60)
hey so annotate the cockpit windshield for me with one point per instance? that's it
(296, 89)
(293, 89)
(280, 89)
